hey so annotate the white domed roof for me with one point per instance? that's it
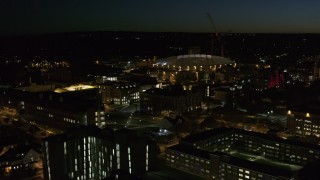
(195, 60)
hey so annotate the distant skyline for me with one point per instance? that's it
(246, 16)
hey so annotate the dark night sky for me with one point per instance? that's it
(267, 16)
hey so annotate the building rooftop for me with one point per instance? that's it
(258, 167)
(68, 101)
(38, 88)
(130, 136)
(235, 161)
(138, 79)
(76, 87)
(165, 92)
(191, 150)
(118, 84)
(166, 172)
(207, 134)
(16, 153)
(194, 60)
(82, 131)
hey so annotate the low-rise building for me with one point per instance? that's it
(68, 106)
(213, 154)
(116, 92)
(20, 157)
(304, 121)
(173, 99)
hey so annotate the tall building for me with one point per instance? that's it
(228, 153)
(316, 71)
(173, 99)
(87, 152)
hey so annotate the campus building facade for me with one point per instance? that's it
(210, 155)
(87, 152)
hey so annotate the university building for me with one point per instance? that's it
(87, 152)
(214, 154)
(173, 99)
(68, 106)
(117, 92)
(304, 122)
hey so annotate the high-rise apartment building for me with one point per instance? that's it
(87, 152)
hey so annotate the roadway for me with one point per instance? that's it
(132, 120)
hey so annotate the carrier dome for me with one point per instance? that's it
(192, 60)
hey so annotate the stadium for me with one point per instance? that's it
(193, 67)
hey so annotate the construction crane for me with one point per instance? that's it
(216, 33)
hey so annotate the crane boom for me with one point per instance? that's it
(212, 24)
(215, 31)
